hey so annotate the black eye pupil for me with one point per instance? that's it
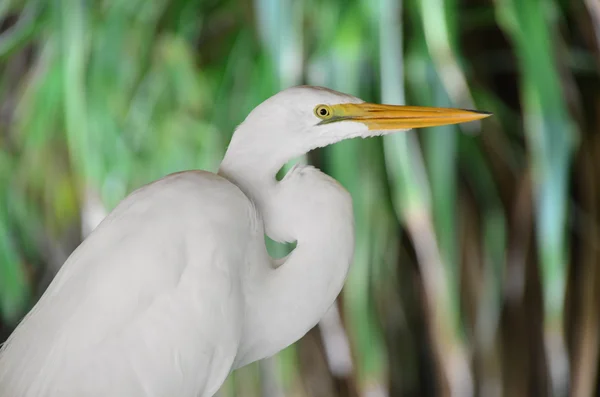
(323, 112)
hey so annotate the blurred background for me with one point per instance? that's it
(477, 269)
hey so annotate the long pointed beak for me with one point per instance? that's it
(393, 117)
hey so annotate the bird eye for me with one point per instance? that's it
(323, 111)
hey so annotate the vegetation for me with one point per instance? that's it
(477, 267)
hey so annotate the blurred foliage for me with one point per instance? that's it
(477, 268)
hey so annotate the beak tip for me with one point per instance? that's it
(482, 113)
(476, 114)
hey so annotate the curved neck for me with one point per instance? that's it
(285, 302)
(251, 166)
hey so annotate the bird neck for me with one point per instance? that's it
(250, 165)
(285, 300)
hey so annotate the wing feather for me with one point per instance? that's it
(148, 305)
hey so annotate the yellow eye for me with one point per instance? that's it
(323, 112)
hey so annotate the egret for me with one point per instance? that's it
(175, 288)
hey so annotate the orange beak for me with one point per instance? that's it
(394, 117)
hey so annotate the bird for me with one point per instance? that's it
(175, 289)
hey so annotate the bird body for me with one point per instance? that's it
(129, 307)
(160, 307)
(175, 289)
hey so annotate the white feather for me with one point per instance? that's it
(174, 289)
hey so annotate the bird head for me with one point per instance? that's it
(299, 119)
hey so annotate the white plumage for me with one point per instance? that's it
(174, 289)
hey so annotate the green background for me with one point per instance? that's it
(478, 246)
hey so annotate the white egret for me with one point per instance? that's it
(175, 288)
